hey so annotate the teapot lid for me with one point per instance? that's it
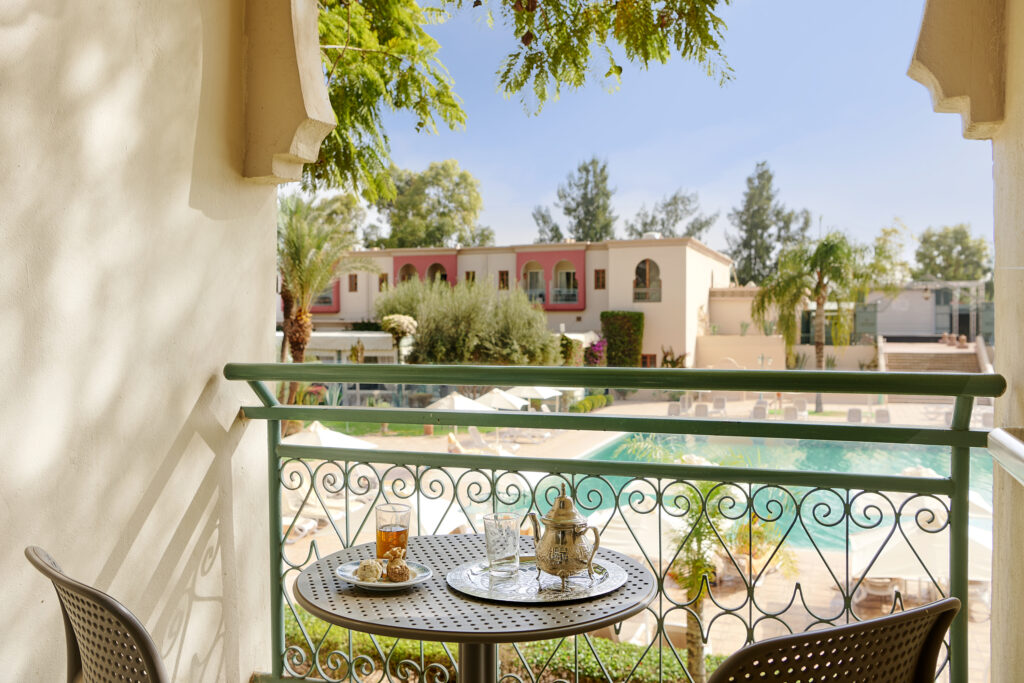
(564, 511)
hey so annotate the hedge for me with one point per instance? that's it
(624, 331)
(572, 351)
(590, 403)
(619, 658)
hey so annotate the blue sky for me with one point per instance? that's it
(820, 92)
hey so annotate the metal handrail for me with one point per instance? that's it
(964, 387)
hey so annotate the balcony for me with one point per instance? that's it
(536, 295)
(648, 294)
(561, 295)
(752, 519)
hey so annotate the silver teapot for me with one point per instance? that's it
(563, 549)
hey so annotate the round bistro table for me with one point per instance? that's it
(433, 611)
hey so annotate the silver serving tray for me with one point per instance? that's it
(474, 578)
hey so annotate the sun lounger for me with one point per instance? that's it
(701, 410)
(789, 413)
(760, 412)
(854, 415)
(718, 406)
(801, 408)
(882, 416)
(673, 410)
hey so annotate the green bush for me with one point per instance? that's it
(589, 403)
(471, 323)
(624, 331)
(618, 658)
(572, 351)
(366, 326)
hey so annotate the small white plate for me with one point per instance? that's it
(418, 574)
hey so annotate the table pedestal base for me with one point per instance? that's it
(478, 663)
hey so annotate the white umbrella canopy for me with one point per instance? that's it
(897, 560)
(977, 507)
(457, 401)
(538, 393)
(316, 434)
(502, 400)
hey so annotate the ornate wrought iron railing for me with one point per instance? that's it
(536, 295)
(672, 516)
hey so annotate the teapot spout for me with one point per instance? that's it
(535, 524)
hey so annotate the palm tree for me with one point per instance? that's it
(312, 250)
(832, 269)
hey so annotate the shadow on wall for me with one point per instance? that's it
(122, 304)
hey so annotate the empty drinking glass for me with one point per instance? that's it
(501, 534)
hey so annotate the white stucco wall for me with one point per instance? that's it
(908, 313)
(702, 272)
(1008, 494)
(664, 323)
(136, 262)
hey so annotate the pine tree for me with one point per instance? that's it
(764, 227)
(667, 214)
(586, 201)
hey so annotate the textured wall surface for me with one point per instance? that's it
(1008, 556)
(136, 262)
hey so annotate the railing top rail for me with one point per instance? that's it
(831, 381)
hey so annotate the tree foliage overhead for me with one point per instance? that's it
(586, 201)
(951, 253)
(764, 227)
(378, 58)
(471, 323)
(665, 216)
(559, 42)
(437, 207)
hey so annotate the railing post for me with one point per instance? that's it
(960, 470)
(276, 598)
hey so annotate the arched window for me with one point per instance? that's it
(407, 272)
(533, 281)
(437, 272)
(647, 284)
(566, 288)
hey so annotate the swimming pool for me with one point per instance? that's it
(804, 455)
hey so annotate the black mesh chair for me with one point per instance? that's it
(105, 641)
(899, 648)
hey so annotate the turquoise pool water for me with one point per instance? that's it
(806, 455)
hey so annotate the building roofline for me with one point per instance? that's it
(690, 242)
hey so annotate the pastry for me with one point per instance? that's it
(369, 570)
(398, 570)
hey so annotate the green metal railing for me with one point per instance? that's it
(630, 494)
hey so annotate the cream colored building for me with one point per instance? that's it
(138, 150)
(669, 280)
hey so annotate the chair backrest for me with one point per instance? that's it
(882, 416)
(700, 410)
(760, 413)
(789, 413)
(105, 641)
(899, 648)
(800, 405)
(673, 409)
(853, 415)
(719, 403)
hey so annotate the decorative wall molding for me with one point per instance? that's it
(287, 111)
(961, 58)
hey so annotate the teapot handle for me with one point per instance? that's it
(597, 544)
(535, 523)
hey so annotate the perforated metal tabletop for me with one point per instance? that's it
(433, 611)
